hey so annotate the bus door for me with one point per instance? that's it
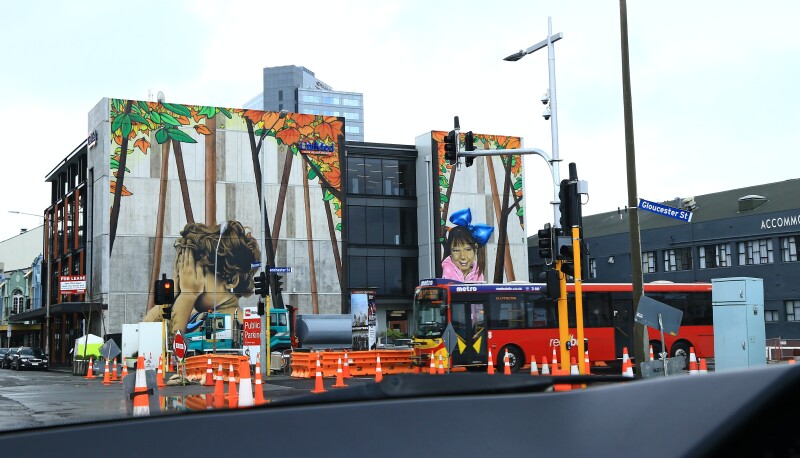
(469, 323)
(622, 309)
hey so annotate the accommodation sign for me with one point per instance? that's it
(665, 210)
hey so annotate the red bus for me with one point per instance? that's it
(519, 318)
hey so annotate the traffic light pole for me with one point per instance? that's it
(576, 259)
(563, 317)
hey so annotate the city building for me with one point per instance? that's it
(20, 286)
(297, 89)
(341, 219)
(744, 232)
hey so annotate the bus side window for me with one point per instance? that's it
(542, 313)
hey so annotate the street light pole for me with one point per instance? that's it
(222, 228)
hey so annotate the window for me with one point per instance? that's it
(755, 252)
(394, 226)
(356, 177)
(391, 275)
(592, 268)
(792, 310)
(648, 262)
(280, 95)
(507, 312)
(351, 102)
(677, 259)
(18, 303)
(789, 248)
(712, 256)
(771, 315)
(383, 177)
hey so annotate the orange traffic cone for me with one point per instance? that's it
(561, 386)
(703, 366)
(627, 368)
(440, 371)
(141, 402)
(793, 361)
(652, 358)
(90, 371)
(587, 366)
(432, 369)
(114, 377)
(534, 369)
(378, 370)
(160, 374)
(209, 374)
(245, 385)
(346, 366)
(259, 394)
(124, 370)
(692, 362)
(319, 387)
(545, 367)
(106, 376)
(506, 364)
(233, 396)
(573, 367)
(490, 366)
(219, 389)
(339, 376)
(555, 359)
(625, 355)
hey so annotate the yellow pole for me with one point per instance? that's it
(267, 369)
(576, 259)
(164, 338)
(563, 318)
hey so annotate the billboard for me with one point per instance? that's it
(185, 187)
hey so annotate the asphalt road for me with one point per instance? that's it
(33, 399)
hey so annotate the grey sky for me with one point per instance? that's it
(715, 92)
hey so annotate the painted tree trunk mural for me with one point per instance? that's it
(162, 197)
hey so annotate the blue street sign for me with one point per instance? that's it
(255, 265)
(661, 209)
(280, 269)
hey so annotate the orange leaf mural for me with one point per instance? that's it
(329, 130)
(202, 129)
(125, 191)
(142, 144)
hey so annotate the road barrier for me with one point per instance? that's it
(362, 363)
(196, 366)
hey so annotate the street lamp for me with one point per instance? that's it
(552, 113)
(264, 349)
(47, 300)
(222, 228)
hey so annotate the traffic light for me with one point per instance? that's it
(278, 282)
(553, 284)
(261, 308)
(262, 288)
(546, 242)
(164, 291)
(469, 145)
(565, 206)
(166, 311)
(450, 148)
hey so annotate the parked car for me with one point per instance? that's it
(5, 362)
(28, 357)
(3, 352)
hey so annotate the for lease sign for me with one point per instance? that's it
(72, 284)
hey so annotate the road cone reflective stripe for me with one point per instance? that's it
(627, 368)
(219, 389)
(245, 385)
(703, 366)
(378, 370)
(692, 362)
(114, 377)
(346, 366)
(652, 358)
(124, 370)
(233, 396)
(534, 369)
(90, 371)
(555, 360)
(441, 366)
(160, 375)
(545, 367)
(339, 376)
(141, 402)
(587, 366)
(506, 365)
(106, 376)
(432, 369)
(319, 387)
(259, 390)
(209, 374)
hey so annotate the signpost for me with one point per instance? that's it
(665, 318)
(179, 350)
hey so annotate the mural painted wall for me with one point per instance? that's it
(479, 220)
(179, 174)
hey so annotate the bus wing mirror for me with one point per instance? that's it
(443, 311)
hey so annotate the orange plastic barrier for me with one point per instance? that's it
(196, 365)
(361, 362)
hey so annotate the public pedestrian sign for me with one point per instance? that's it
(661, 209)
(255, 265)
(280, 269)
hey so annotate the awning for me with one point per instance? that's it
(62, 308)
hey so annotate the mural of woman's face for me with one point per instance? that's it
(463, 255)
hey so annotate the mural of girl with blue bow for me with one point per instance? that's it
(465, 249)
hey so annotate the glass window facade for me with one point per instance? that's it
(789, 248)
(677, 259)
(712, 256)
(755, 252)
(380, 177)
(648, 262)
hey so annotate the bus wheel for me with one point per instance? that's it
(515, 358)
(681, 348)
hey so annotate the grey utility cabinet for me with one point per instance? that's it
(739, 334)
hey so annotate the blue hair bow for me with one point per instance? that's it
(480, 232)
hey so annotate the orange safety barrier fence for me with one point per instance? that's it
(304, 364)
(196, 365)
